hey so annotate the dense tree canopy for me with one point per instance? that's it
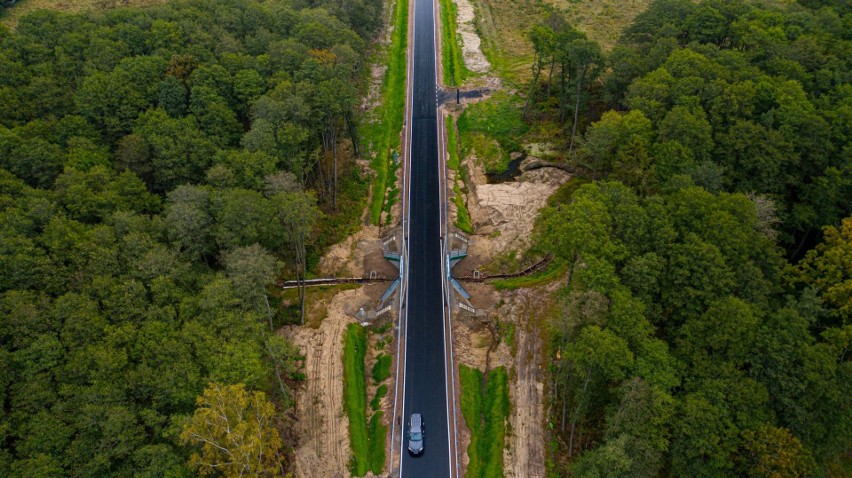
(705, 322)
(678, 317)
(740, 96)
(159, 168)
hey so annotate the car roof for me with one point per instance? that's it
(415, 419)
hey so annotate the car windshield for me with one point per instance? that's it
(416, 436)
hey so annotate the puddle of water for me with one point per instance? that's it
(512, 171)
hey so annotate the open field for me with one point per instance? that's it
(503, 28)
(602, 20)
(13, 14)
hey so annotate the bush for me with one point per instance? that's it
(381, 369)
(380, 394)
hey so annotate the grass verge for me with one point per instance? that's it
(485, 412)
(377, 434)
(454, 163)
(451, 54)
(355, 395)
(382, 134)
(367, 439)
(381, 391)
(492, 130)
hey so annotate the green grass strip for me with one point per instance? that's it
(495, 409)
(451, 54)
(471, 407)
(454, 162)
(378, 432)
(355, 395)
(383, 133)
(462, 214)
(485, 413)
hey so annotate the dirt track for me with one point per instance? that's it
(524, 454)
(323, 427)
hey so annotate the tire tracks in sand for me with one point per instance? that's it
(323, 426)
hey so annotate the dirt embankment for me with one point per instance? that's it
(510, 333)
(323, 427)
(525, 451)
(504, 214)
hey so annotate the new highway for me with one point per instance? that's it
(425, 376)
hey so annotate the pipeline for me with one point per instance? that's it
(529, 270)
(292, 284)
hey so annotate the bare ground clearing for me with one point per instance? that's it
(504, 214)
(472, 54)
(323, 427)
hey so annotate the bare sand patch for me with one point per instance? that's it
(357, 256)
(504, 214)
(471, 44)
(323, 426)
(524, 455)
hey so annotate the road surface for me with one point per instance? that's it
(425, 371)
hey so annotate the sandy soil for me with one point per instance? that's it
(357, 256)
(504, 214)
(323, 427)
(472, 54)
(475, 344)
(524, 454)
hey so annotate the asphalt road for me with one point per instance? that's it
(425, 372)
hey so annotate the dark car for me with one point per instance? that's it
(416, 430)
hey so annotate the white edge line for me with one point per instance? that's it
(442, 194)
(412, 10)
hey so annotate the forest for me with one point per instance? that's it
(705, 322)
(159, 169)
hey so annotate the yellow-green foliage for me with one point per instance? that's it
(22, 7)
(236, 432)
